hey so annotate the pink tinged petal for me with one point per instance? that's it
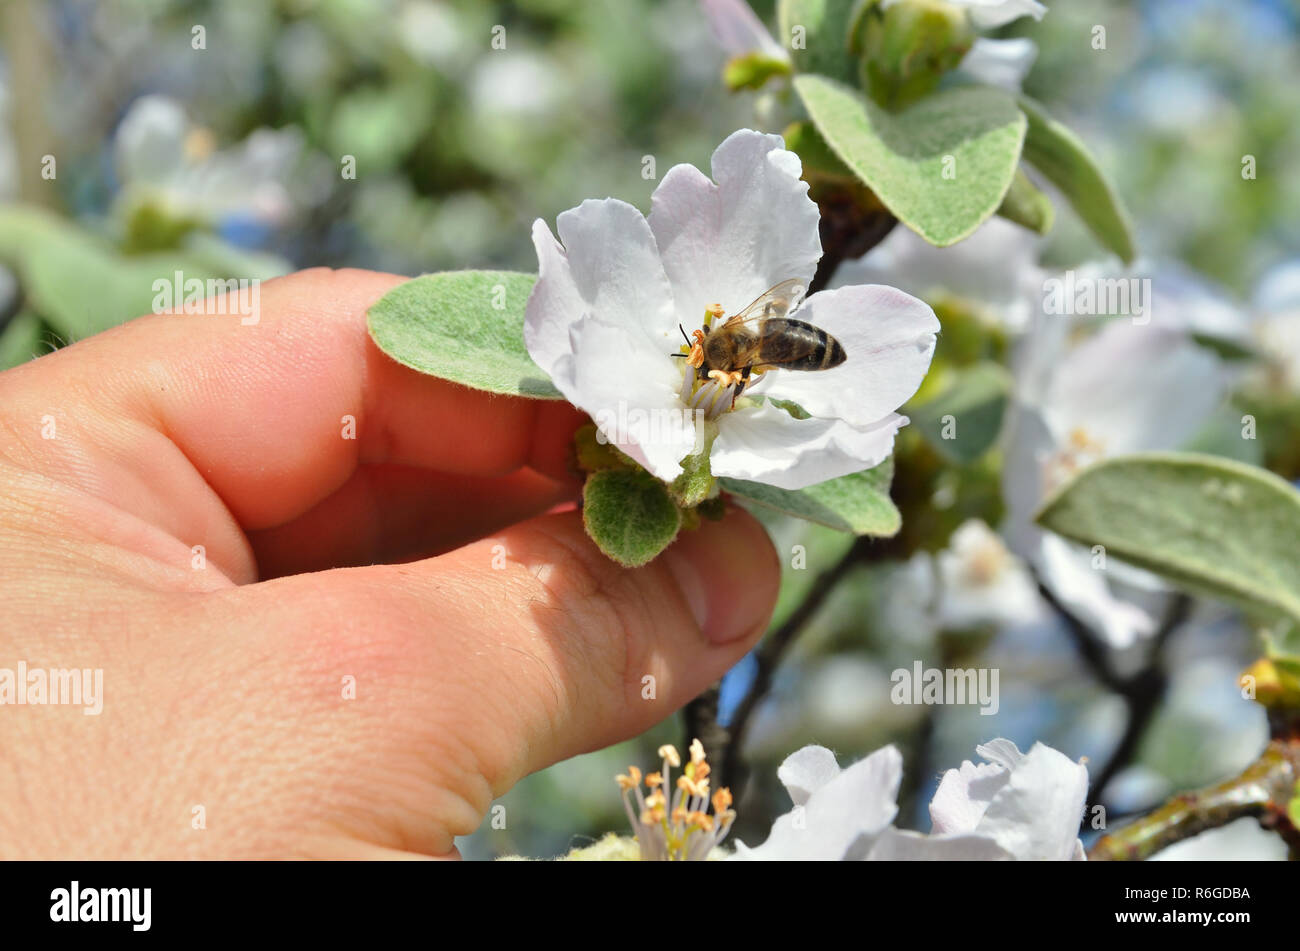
(738, 29)
(888, 337)
(806, 771)
(963, 796)
(900, 845)
(841, 819)
(616, 269)
(727, 243)
(629, 387)
(766, 444)
(1036, 815)
(555, 304)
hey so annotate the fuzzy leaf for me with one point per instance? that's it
(941, 166)
(1208, 524)
(629, 514)
(857, 503)
(463, 326)
(976, 399)
(79, 283)
(20, 340)
(823, 27)
(1065, 161)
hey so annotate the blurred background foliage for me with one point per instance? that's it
(230, 161)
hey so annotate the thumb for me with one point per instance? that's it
(525, 648)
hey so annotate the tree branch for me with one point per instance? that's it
(1261, 791)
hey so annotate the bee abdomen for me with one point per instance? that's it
(796, 345)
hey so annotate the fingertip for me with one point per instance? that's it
(729, 573)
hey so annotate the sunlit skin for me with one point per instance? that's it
(430, 558)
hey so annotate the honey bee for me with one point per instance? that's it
(760, 338)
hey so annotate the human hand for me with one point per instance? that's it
(323, 558)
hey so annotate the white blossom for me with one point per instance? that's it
(617, 292)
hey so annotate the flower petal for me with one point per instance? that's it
(767, 444)
(900, 845)
(1136, 388)
(963, 796)
(807, 770)
(727, 243)
(1035, 816)
(1066, 570)
(630, 389)
(841, 820)
(889, 339)
(989, 14)
(1002, 63)
(738, 29)
(555, 304)
(616, 268)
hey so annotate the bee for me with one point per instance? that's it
(760, 338)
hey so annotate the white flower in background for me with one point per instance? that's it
(1028, 804)
(1003, 63)
(1126, 389)
(994, 269)
(603, 321)
(981, 582)
(1277, 326)
(1184, 300)
(522, 85)
(739, 31)
(838, 813)
(1020, 806)
(163, 156)
(991, 14)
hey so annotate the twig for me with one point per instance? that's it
(1142, 692)
(1261, 791)
(768, 655)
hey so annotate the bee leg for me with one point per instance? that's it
(741, 384)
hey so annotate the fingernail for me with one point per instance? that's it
(728, 573)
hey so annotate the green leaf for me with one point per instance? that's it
(1027, 206)
(20, 340)
(463, 326)
(816, 157)
(857, 503)
(1065, 161)
(1208, 524)
(941, 166)
(629, 514)
(825, 35)
(79, 283)
(976, 399)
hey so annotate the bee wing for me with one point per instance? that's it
(774, 302)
